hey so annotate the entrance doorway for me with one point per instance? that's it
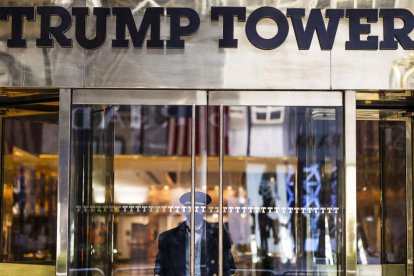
(29, 173)
(271, 162)
(384, 183)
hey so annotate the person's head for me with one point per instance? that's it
(201, 200)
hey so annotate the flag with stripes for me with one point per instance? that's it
(207, 130)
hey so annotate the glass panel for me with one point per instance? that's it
(208, 181)
(132, 167)
(368, 193)
(29, 190)
(283, 175)
(132, 173)
(381, 178)
(393, 185)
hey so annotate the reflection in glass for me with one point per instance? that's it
(133, 165)
(393, 186)
(29, 189)
(284, 204)
(381, 180)
(368, 193)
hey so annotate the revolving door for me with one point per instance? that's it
(271, 162)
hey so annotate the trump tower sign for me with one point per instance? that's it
(322, 23)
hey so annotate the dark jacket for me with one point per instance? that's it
(171, 252)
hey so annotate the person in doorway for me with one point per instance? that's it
(173, 258)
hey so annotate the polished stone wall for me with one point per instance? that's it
(202, 65)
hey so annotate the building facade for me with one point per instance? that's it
(293, 116)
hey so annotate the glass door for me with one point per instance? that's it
(133, 154)
(29, 173)
(384, 185)
(163, 183)
(283, 181)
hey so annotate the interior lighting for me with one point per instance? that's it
(130, 194)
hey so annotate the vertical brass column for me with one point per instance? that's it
(192, 225)
(62, 235)
(350, 226)
(2, 238)
(409, 193)
(220, 272)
